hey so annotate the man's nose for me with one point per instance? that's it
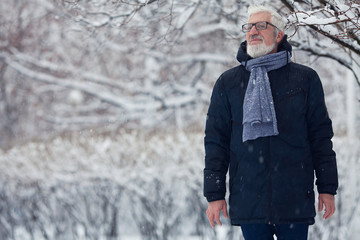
(253, 30)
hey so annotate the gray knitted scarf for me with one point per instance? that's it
(259, 118)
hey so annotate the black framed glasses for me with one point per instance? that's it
(258, 25)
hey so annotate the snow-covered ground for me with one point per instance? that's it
(133, 186)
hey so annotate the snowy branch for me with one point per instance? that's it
(340, 23)
(124, 11)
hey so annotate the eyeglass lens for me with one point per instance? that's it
(258, 26)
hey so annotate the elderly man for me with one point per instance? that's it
(268, 125)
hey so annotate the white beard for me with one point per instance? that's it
(259, 50)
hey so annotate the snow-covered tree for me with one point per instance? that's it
(74, 65)
(337, 21)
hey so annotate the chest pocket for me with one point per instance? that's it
(290, 108)
(291, 102)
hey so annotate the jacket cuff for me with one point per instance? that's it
(327, 189)
(214, 197)
(214, 185)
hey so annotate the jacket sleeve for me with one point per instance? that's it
(320, 133)
(217, 139)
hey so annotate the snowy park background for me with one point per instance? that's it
(103, 106)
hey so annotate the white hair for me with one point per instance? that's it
(276, 18)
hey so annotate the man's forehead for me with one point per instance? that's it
(260, 16)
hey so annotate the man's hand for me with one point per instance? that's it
(214, 210)
(329, 201)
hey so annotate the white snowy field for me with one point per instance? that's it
(133, 185)
(98, 186)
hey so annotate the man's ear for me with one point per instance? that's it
(279, 36)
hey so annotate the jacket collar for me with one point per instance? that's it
(284, 45)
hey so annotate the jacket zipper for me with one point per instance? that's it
(269, 183)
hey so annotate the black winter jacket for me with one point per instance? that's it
(271, 178)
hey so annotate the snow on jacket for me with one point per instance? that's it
(271, 179)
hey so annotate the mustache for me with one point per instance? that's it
(256, 36)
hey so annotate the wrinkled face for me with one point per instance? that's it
(262, 42)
